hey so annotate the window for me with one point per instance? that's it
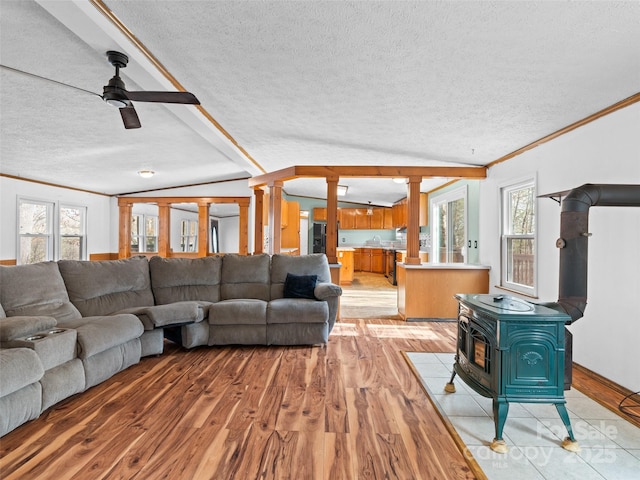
(189, 236)
(449, 230)
(72, 232)
(518, 237)
(35, 231)
(46, 233)
(144, 233)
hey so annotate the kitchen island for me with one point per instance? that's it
(426, 291)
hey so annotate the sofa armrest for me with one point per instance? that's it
(325, 291)
(21, 326)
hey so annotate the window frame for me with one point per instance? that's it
(53, 238)
(141, 232)
(83, 230)
(189, 235)
(506, 235)
(434, 203)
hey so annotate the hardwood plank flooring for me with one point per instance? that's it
(349, 410)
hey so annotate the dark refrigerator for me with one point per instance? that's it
(319, 237)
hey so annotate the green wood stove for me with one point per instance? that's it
(511, 350)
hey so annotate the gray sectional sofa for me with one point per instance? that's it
(66, 326)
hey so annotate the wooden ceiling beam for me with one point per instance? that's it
(360, 171)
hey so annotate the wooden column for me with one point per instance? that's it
(203, 229)
(332, 220)
(164, 229)
(124, 230)
(258, 224)
(275, 214)
(243, 241)
(413, 220)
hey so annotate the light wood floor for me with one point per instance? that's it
(349, 410)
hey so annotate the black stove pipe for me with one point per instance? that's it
(573, 241)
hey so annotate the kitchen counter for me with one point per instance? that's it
(427, 290)
(446, 266)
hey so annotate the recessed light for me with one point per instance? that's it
(146, 173)
(399, 180)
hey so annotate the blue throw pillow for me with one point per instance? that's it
(300, 286)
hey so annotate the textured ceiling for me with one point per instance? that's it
(305, 83)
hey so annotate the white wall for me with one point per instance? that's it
(604, 151)
(102, 230)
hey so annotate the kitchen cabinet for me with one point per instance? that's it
(357, 259)
(319, 214)
(378, 218)
(290, 237)
(347, 218)
(377, 260)
(387, 223)
(363, 219)
(369, 260)
(346, 259)
(399, 212)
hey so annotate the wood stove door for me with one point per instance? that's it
(533, 362)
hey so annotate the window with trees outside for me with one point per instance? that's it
(518, 265)
(189, 235)
(73, 238)
(449, 230)
(46, 233)
(144, 233)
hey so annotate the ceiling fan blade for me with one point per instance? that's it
(130, 117)
(164, 97)
(33, 75)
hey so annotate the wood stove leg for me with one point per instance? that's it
(450, 387)
(570, 442)
(500, 411)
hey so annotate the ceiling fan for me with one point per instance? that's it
(115, 93)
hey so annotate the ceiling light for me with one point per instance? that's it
(399, 180)
(146, 173)
(114, 102)
(342, 190)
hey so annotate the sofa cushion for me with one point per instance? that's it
(108, 286)
(245, 277)
(35, 290)
(183, 279)
(281, 265)
(238, 312)
(297, 310)
(300, 286)
(20, 367)
(98, 334)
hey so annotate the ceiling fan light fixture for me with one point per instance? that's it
(146, 173)
(114, 102)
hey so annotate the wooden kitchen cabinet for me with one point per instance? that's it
(399, 212)
(376, 220)
(346, 259)
(357, 259)
(347, 218)
(387, 223)
(377, 260)
(363, 219)
(319, 214)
